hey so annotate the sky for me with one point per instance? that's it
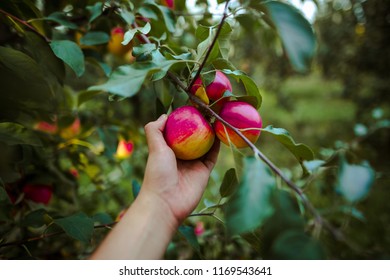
(308, 7)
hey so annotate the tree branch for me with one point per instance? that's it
(43, 236)
(25, 23)
(210, 48)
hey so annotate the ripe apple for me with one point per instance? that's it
(188, 133)
(168, 3)
(242, 116)
(115, 44)
(50, 128)
(72, 130)
(125, 149)
(39, 193)
(216, 88)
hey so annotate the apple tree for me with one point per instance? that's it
(80, 79)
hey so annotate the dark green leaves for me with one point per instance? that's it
(189, 235)
(61, 18)
(294, 30)
(355, 181)
(250, 205)
(94, 38)
(78, 226)
(229, 183)
(70, 53)
(14, 134)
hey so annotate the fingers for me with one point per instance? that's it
(154, 134)
(211, 157)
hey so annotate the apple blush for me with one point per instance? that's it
(188, 133)
(242, 116)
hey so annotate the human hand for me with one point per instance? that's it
(176, 183)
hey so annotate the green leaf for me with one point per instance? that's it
(102, 218)
(189, 235)
(221, 63)
(16, 134)
(300, 151)
(250, 205)
(3, 195)
(95, 10)
(20, 72)
(136, 187)
(108, 135)
(61, 18)
(35, 218)
(129, 35)
(296, 245)
(127, 80)
(167, 15)
(313, 165)
(143, 49)
(229, 183)
(78, 226)
(85, 96)
(294, 30)
(94, 38)
(355, 181)
(70, 53)
(250, 86)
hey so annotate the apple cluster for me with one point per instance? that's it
(190, 135)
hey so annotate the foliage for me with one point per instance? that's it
(67, 101)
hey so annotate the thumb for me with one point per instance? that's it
(154, 134)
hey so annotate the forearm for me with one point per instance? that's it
(144, 231)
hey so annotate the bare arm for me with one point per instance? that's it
(170, 192)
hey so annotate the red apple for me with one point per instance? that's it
(216, 88)
(50, 128)
(125, 149)
(168, 3)
(39, 193)
(199, 228)
(72, 130)
(188, 133)
(242, 116)
(115, 44)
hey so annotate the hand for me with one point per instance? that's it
(177, 183)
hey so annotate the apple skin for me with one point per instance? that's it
(115, 44)
(72, 130)
(125, 149)
(216, 88)
(241, 115)
(50, 128)
(39, 193)
(188, 133)
(168, 3)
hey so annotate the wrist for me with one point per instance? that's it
(159, 208)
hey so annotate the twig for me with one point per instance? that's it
(225, 15)
(43, 236)
(25, 23)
